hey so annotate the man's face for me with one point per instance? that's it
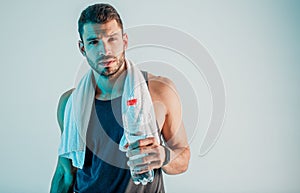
(104, 47)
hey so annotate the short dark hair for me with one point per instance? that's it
(98, 13)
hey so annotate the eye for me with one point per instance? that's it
(111, 39)
(93, 42)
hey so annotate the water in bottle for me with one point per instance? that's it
(145, 177)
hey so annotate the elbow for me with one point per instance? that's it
(186, 160)
(179, 166)
(185, 165)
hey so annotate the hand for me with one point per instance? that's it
(145, 155)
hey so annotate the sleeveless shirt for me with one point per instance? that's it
(105, 169)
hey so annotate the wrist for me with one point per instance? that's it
(167, 156)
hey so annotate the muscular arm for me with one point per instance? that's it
(64, 173)
(63, 177)
(168, 112)
(173, 130)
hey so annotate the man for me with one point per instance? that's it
(103, 44)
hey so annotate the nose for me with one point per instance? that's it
(105, 48)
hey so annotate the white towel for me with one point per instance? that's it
(137, 113)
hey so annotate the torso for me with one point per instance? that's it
(113, 172)
(155, 83)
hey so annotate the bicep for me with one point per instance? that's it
(173, 129)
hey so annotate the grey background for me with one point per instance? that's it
(254, 43)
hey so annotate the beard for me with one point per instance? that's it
(110, 71)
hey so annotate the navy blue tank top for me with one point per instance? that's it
(105, 169)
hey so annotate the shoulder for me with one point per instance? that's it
(61, 107)
(160, 82)
(63, 99)
(163, 89)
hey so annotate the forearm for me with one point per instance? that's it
(179, 161)
(63, 176)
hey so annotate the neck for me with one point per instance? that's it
(110, 87)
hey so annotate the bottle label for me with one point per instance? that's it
(131, 102)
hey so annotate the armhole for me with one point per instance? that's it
(145, 74)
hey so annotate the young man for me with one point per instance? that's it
(103, 44)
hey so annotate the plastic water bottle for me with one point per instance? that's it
(136, 130)
(139, 123)
(146, 177)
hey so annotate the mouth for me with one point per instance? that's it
(107, 63)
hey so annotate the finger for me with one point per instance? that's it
(143, 150)
(147, 167)
(142, 142)
(143, 160)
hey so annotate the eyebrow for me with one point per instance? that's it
(113, 34)
(95, 38)
(91, 38)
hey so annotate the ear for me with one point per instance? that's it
(81, 47)
(125, 41)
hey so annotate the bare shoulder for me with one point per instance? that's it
(164, 93)
(163, 89)
(160, 85)
(61, 107)
(64, 98)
